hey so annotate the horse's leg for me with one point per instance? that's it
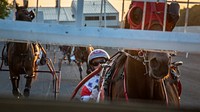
(27, 86)
(64, 57)
(15, 84)
(69, 58)
(80, 69)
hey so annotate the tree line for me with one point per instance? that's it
(193, 18)
(4, 9)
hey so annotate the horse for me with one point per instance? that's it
(22, 57)
(141, 75)
(80, 54)
(21, 60)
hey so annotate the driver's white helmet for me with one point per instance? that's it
(98, 53)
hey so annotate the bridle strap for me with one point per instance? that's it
(165, 92)
(142, 59)
(134, 57)
(125, 88)
(145, 63)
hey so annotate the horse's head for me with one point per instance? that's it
(81, 53)
(23, 14)
(89, 49)
(157, 63)
(126, 77)
(154, 15)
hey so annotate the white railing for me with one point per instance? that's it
(56, 34)
(192, 29)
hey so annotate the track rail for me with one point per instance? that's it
(56, 34)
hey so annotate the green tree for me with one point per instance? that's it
(193, 19)
(4, 9)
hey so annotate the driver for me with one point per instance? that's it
(90, 89)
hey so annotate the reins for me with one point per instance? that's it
(85, 80)
(125, 88)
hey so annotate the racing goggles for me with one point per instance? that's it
(97, 62)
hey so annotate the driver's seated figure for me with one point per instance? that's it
(90, 90)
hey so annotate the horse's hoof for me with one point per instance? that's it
(17, 93)
(26, 92)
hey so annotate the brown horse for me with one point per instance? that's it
(22, 58)
(80, 55)
(137, 75)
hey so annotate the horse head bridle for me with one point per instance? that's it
(141, 57)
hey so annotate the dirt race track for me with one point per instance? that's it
(42, 87)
